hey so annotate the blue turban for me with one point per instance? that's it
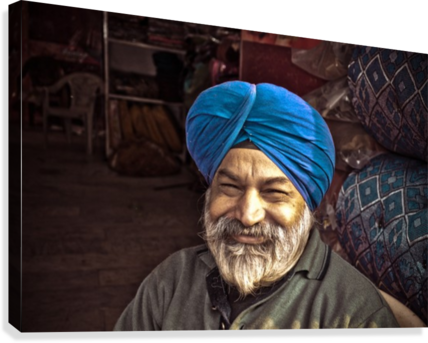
(284, 127)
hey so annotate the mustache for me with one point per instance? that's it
(227, 227)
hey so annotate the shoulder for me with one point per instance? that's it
(342, 272)
(346, 290)
(178, 270)
(334, 273)
(164, 290)
(365, 305)
(184, 262)
(348, 281)
(183, 256)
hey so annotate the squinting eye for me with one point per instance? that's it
(229, 185)
(275, 191)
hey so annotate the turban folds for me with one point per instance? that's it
(284, 127)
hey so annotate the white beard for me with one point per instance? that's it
(249, 267)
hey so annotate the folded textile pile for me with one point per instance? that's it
(166, 33)
(133, 84)
(375, 213)
(390, 95)
(382, 224)
(127, 27)
(149, 136)
(382, 208)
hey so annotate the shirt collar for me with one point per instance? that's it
(315, 258)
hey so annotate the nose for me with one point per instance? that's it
(250, 210)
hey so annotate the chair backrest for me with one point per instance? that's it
(83, 88)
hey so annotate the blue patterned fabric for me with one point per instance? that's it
(383, 226)
(287, 129)
(389, 91)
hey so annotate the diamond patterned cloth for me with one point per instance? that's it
(383, 226)
(389, 91)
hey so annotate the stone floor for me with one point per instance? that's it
(90, 236)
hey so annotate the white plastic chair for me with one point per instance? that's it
(84, 88)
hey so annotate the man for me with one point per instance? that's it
(269, 159)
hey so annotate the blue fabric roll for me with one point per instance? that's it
(382, 217)
(389, 92)
(282, 125)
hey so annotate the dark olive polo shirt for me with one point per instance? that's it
(322, 291)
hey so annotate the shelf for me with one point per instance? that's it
(147, 46)
(111, 113)
(144, 100)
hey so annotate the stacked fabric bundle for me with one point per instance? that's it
(212, 58)
(156, 123)
(149, 137)
(167, 33)
(152, 122)
(390, 98)
(127, 27)
(382, 208)
(134, 84)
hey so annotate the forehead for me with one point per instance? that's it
(249, 164)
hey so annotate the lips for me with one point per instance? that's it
(246, 239)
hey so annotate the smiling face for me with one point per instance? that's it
(256, 222)
(249, 187)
